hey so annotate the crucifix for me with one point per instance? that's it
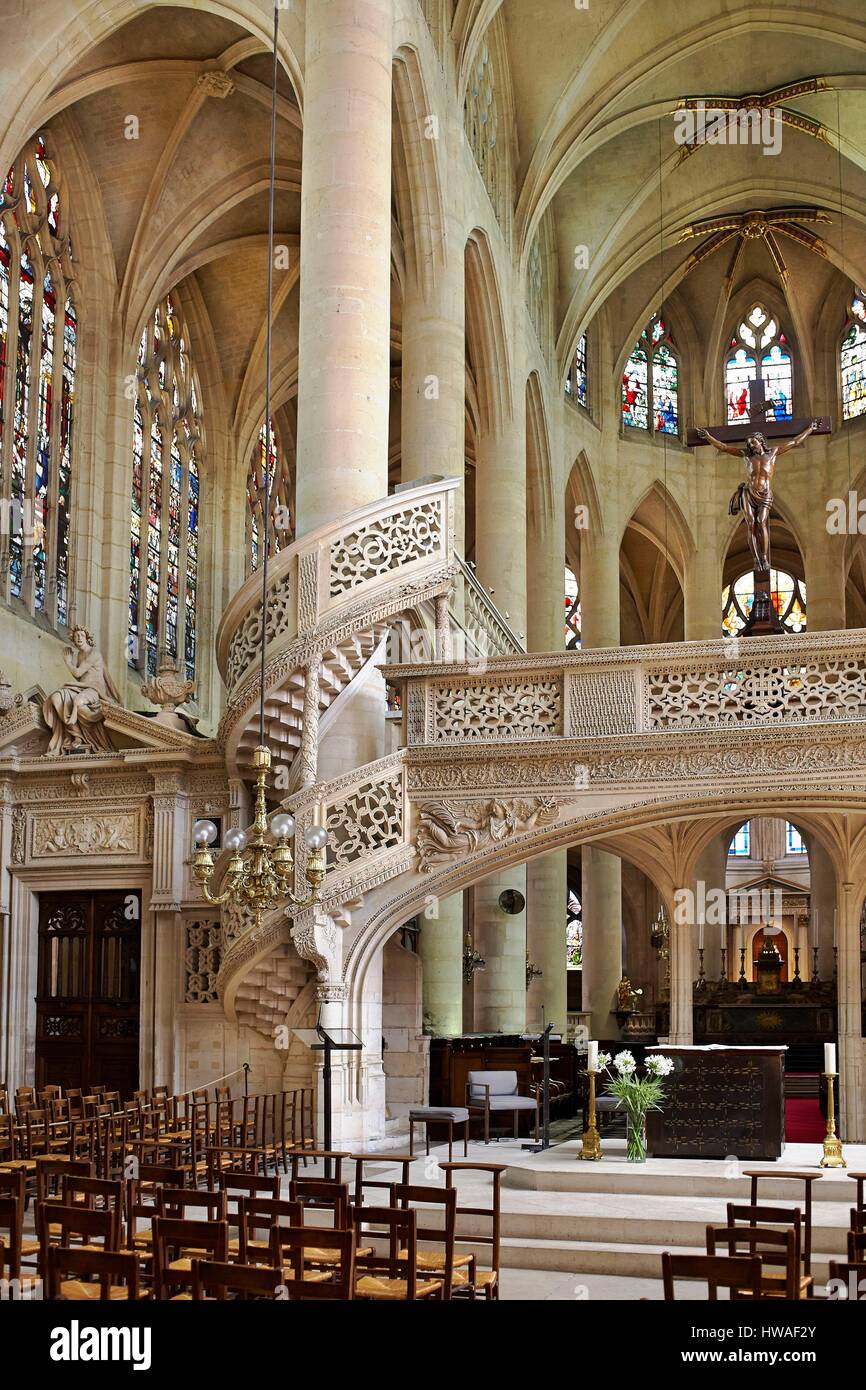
(754, 496)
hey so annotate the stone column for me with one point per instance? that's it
(500, 989)
(822, 901)
(500, 510)
(309, 749)
(440, 946)
(852, 1128)
(825, 577)
(601, 873)
(712, 872)
(547, 877)
(345, 287)
(683, 936)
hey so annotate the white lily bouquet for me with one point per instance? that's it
(638, 1094)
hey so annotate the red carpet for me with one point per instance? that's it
(804, 1123)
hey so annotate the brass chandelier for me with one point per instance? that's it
(260, 871)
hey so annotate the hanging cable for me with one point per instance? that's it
(268, 481)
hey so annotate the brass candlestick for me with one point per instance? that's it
(796, 979)
(591, 1143)
(833, 1157)
(723, 973)
(815, 976)
(701, 982)
(742, 976)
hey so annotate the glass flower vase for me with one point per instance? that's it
(636, 1139)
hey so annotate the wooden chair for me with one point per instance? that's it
(237, 1187)
(300, 1282)
(213, 1280)
(858, 1220)
(757, 1175)
(141, 1198)
(50, 1173)
(4, 1100)
(172, 1240)
(104, 1275)
(235, 1160)
(484, 1281)
(391, 1276)
(860, 1179)
(12, 1240)
(786, 1218)
(335, 1157)
(362, 1182)
(440, 1262)
(258, 1217)
(778, 1249)
(739, 1274)
(76, 1225)
(175, 1202)
(97, 1194)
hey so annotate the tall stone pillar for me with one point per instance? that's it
(601, 873)
(500, 553)
(500, 989)
(547, 877)
(825, 577)
(440, 946)
(345, 320)
(851, 1078)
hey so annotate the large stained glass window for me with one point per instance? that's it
(268, 451)
(759, 340)
(38, 341)
(788, 597)
(852, 360)
(741, 843)
(572, 611)
(167, 455)
(576, 381)
(650, 382)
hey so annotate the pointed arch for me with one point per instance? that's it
(417, 173)
(486, 339)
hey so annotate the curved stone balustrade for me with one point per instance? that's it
(742, 683)
(332, 596)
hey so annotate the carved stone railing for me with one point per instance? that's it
(339, 570)
(486, 631)
(742, 683)
(366, 816)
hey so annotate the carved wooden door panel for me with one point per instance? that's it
(87, 1004)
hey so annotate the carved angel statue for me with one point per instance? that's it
(442, 834)
(74, 713)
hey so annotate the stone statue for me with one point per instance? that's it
(626, 996)
(754, 497)
(444, 834)
(168, 690)
(74, 713)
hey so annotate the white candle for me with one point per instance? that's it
(592, 1056)
(830, 1059)
(700, 936)
(835, 928)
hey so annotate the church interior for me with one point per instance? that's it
(433, 632)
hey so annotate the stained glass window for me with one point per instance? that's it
(759, 338)
(280, 532)
(788, 597)
(741, 841)
(576, 381)
(38, 341)
(650, 382)
(167, 450)
(794, 842)
(572, 612)
(574, 933)
(852, 360)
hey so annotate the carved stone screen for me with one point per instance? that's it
(721, 1102)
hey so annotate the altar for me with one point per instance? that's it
(720, 1101)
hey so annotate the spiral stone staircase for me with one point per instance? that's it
(505, 755)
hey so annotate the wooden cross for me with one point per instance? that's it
(763, 618)
(757, 420)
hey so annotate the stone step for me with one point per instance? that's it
(600, 1257)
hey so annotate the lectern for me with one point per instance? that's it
(328, 1041)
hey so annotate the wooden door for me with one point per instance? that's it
(87, 1003)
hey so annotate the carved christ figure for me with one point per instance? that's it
(754, 497)
(74, 713)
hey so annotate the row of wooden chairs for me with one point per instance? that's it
(767, 1249)
(246, 1224)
